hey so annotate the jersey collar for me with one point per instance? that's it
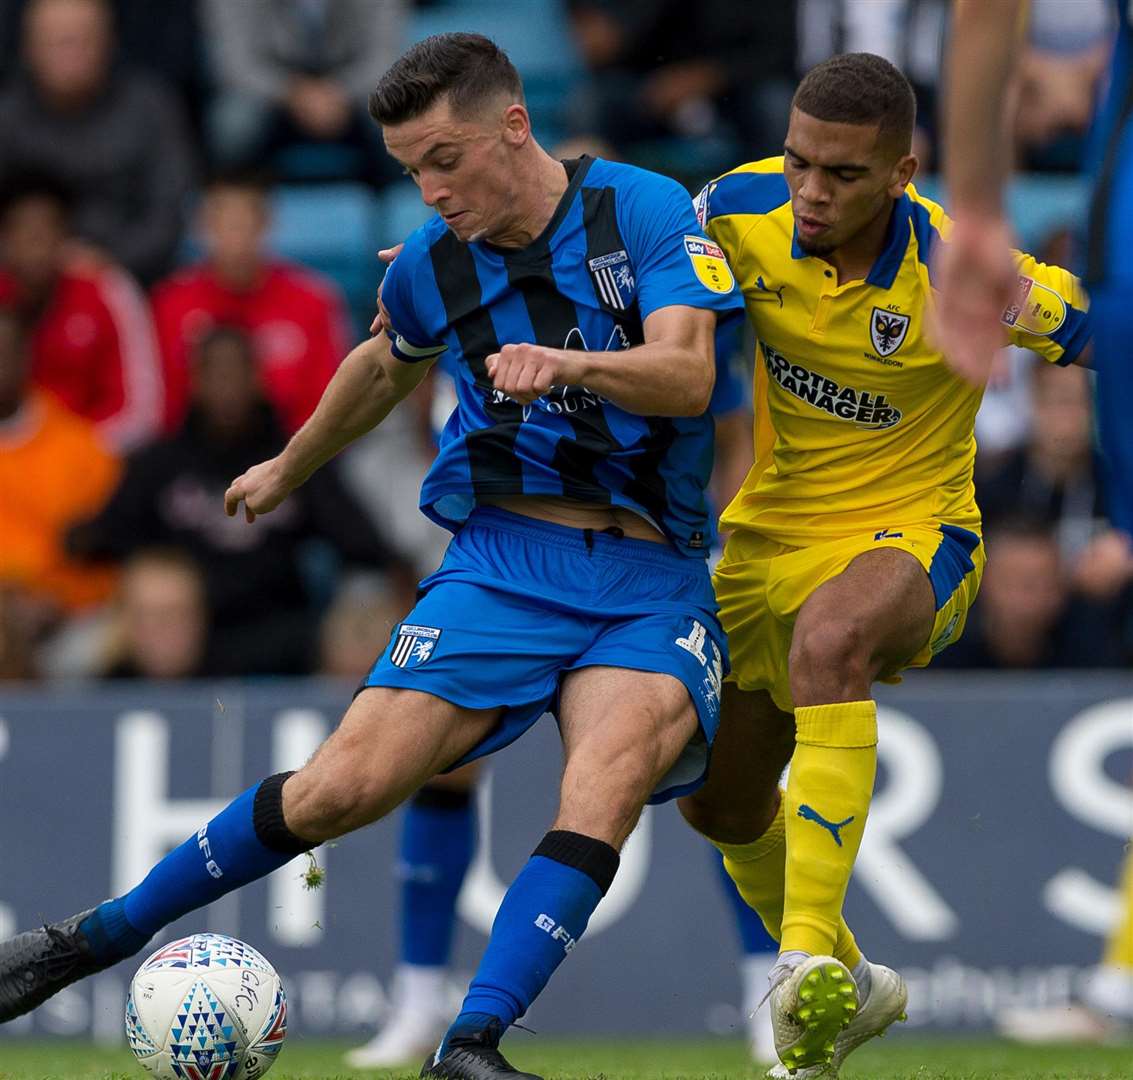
(884, 270)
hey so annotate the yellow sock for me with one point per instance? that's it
(827, 799)
(1119, 944)
(759, 871)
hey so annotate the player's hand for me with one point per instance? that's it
(381, 320)
(261, 489)
(527, 372)
(976, 281)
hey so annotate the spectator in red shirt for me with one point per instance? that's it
(297, 318)
(92, 342)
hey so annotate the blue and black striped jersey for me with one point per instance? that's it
(622, 244)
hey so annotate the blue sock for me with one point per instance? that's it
(438, 836)
(541, 918)
(245, 841)
(753, 934)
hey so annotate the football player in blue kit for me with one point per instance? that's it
(439, 825)
(581, 299)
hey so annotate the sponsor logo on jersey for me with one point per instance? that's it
(761, 287)
(887, 330)
(613, 279)
(865, 408)
(1035, 309)
(712, 270)
(415, 645)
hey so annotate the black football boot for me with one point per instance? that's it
(36, 965)
(475, 1057)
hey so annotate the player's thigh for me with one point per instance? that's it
(389, 743)
(877, 614)
(622, 731)
(753, 745)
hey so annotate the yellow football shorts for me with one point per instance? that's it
(761, 585)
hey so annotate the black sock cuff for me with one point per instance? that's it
(437, 798)
(595, 858)
(267, 818)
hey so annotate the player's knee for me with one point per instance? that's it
(706, 815)
(830, 650)
(325, 799)
(737, 816)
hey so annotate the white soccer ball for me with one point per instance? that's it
(206, 1007)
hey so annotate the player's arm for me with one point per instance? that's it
(1049, 313)
(366, 386)
(984, 43)
(672, 374)
(974, 275)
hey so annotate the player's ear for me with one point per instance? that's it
(517, 124)
(904, 169)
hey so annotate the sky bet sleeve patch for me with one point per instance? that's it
(712, 270)
(1036, 308)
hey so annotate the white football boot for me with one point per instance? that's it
(810, 1008)
(422, 1011)
(882, 1007)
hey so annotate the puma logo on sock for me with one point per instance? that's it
(808, 813)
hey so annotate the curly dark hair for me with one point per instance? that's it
(861, 88)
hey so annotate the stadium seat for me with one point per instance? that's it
(333, 228)
(400, 212)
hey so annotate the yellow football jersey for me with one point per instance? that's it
(860, 424)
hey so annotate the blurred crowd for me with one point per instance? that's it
(153, 345)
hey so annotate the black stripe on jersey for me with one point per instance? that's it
(492, 461)
(1097, 233)
(603, 237)
(646, 486)
(553, 317)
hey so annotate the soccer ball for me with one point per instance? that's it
(207, 1007)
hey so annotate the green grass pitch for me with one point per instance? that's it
(906, 1058)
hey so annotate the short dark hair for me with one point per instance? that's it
(224, 334)
(861, 88)
(467, 68)
(258, 179)
(26, 185)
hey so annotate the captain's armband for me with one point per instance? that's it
(409, 353)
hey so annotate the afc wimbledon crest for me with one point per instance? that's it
(712, 270)
(613, 278)
(414, 645)
(887, 329)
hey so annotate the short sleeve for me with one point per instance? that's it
(1049, 314)
(410, 341)
(676, 263)
(732, 390)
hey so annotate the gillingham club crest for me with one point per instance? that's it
(414, 645)
(887, 330)
(613, 279)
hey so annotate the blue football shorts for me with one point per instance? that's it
(518, 602)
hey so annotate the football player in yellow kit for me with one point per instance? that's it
(855, 547)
